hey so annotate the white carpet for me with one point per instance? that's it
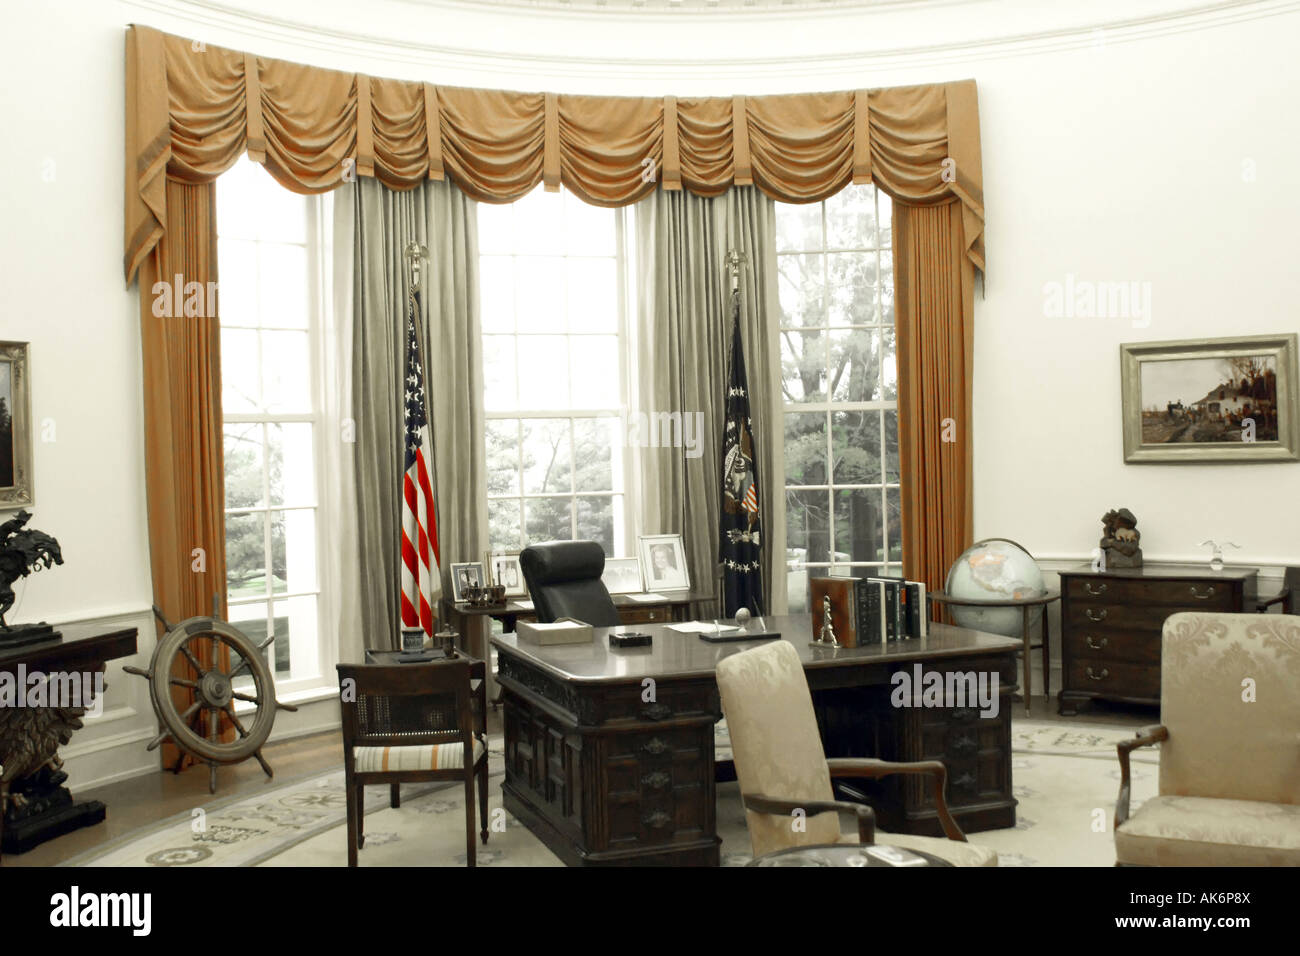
(1066, 777)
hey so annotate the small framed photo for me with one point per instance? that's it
(16, 489)
(468, 575)
(503, 568)
(622, 575)
(1211, 400)
(663, 559)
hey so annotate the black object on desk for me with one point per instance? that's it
(721, 637)
(630, 639)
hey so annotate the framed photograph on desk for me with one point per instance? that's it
(504, 568)
(468, 575)
(622, 575)
(663, 559)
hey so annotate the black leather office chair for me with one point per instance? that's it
(564, 581)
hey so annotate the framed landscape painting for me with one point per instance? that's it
(1218, 400)
(15, 427)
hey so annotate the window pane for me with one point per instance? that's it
(294, 534)
(855, 443)
(237, 292)
(544, 374)
(286, 380)
(802, 290)
(885, 206)
(243, 463)
(252, 205)
(497, 293)
(241, 373)
(596, 521)
(852, 282)
(496, 228)
(504, 524)
(803, 366)
(593, 295)
(855, 365)
(548, 467)
(539, 223)
(588, 230)
(798, 227)
(893, 513)
(539, 294)
(499, 394)
(502, 436)
(549, 519)
(886, 289)
(858, 526)
(805, 448)
(290, 456)
(245, 555)
(296, 623)
(594, 360)
(851, 218)
(888, 367)
(252, 620)
(891, 446)
(283, 286)
(807, 526)
(593, 451)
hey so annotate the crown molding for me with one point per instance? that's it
(414, 59)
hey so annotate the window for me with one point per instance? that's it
(552, 303)
(270, 274)
(840, 388)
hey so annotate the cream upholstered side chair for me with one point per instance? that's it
(1229, 738)
(782, 767)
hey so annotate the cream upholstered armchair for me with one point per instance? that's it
(782, 767)
(1229, 736)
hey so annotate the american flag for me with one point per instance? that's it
(421, 574)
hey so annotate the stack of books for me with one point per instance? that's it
(874, 610)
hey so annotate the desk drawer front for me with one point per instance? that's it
(1186, 594)
(644, 615)
(657, 787)
(1117, 617)
(1108, 676)
(1094, 644)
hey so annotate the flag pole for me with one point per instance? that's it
(416, 254)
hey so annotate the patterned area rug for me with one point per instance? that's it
(1066, 779)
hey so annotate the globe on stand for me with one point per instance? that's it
(993, 570)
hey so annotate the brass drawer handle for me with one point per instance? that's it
(1088, 639)
(1094, 614)
(655, 745)
(1199, 596)
(656, 712)
(657, 820)
(1102, 676)
(1087, 586)
(657, 780)
(652, 616)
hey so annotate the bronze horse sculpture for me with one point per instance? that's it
(22, 551)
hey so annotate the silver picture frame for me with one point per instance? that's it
(1161, 425)
(16, 487)
(622, 575)
(670, 574)
(503, 568)
(463, 575)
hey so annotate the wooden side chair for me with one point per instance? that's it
(1289, 597)
(413, 723)
(782, 767)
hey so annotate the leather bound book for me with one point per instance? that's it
(844, 610)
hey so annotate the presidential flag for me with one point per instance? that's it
(421, 576)
(742, 579)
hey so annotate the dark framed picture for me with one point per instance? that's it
(467, 575)
(15, 427)
(1211, 400)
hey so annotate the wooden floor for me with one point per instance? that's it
(143, 800)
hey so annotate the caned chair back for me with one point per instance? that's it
(1230, 697)
(775, 743)
(397, 705)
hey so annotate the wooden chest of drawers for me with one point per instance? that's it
(1111, 623)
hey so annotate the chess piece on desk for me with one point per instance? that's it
(827, 636)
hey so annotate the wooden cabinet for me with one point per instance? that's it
(1111, 623)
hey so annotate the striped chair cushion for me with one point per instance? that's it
(428, 757)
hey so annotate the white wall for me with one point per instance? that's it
(1110, 154)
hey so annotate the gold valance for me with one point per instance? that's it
(193, 109)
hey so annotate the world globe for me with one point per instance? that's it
(993, 570)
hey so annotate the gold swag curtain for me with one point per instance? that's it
(192, 110)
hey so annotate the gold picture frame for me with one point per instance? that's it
(16, 488)
(1211, 400)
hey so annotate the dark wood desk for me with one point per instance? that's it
(604, 774)
(30, 738)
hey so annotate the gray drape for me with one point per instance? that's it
(441, 217)
(682, 337)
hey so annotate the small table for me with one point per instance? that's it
(1027, 604)
(843, 854)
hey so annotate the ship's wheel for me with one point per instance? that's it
(197, 730)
